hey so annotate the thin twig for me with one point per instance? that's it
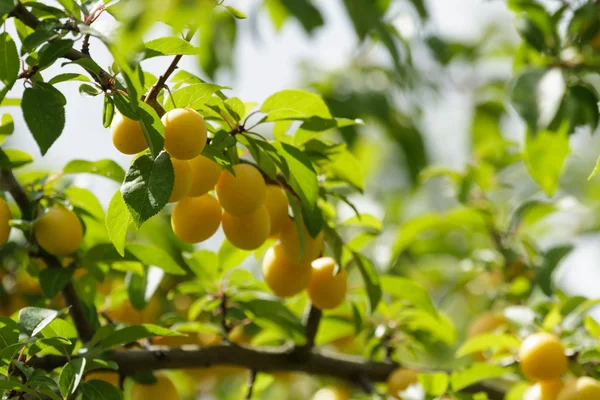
(251, 380)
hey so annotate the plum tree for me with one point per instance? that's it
(195, 219)
(542, 357)
(205, 175)
(284, 277)
(59, 231)
(327, 289)
(243, 193)
(183, 180)
(127, 135)
(185, 133)
(247, 232)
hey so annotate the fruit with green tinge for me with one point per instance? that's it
(282, 276)
(249, 231)
(59, 231)
(195, 219)
(185, 133)
(243, 193)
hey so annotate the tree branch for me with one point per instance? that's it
(312, 318)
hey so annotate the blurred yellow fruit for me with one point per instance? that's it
(331, 393)
(205, 175)
(59, 231)
(277, 204)
(487, 322)
(584, 388)
(282, 276)
(183, 180)
(400, 380)
(195, 219)
(127, 314)
(209, 338)
(542, 357)
(5, 216)
(127, 135)
(327, 290)
(243, 193)
(544, 391)
(111, 377)
(290, 242)
(162, 389)
(247, 232)
(185, 133)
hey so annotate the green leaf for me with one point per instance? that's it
(150, 255)
(193, 96)
(204, 263)
(169, 46)
(305, 12)
(106, 168)
(100, 390)
(230, 256)
(7, 127)
(108, 111)
(12, 158)
(33, 319)
(9, 332)
(70, 376)
(6, 6)
(62, 329)
(434, 383)
(545, 156)
(236, 13)
(9, 59)
(153, 128)
(299, 173)
(71, 6)
(131, 334)
(366, 221)
(44, 31)
(347, 168)
(475, 373)
(147, 186)
(486, 342)
(44, 113)
(266, 310)
(53, 280)
(410, 291)
(295, 105)
(370, 278)
(552, 258)
(53, 51)
(66, 77)
(118, 221)
(85, 201)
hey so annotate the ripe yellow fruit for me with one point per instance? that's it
(400, 380)
(282, 276)
(185, 133)
(487, 322)
(163, 389)
(243, 193)
(584, 388)
(249, 231)
(127, 135)
(542, 357)
(205, 175)
(326, 290)
(183, 180)
(5, 216)
(111, 377)
(331, 393)
(124, 312)
(277, 204)
(544, 391)
(59, 231)
(195, 219)
(290, 242)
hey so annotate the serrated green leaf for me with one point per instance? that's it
(33, 319)
(62, 329)
(295, 104)
(169, 46)
(70, 376)
(300, 173)
(106, 168)
(44, 113)
(50, 52)
(118, 221)
(147, 186)
(12, 158)
(53, 280)
(9, 60)
(131, 334)
(44, 31)
(70, 76)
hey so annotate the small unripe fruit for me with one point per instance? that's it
(282, 276)
(5, 216)
(127, 135)
(331, 393)
(243, 193)
(185, 133)
(277, 204)
(544, 391)
(111, 377)
(59, 231)
(542, 357)
(290, 242)
(205, 175)
(183, 180)
(249, 231)
(195, 219)
(326, 290)
(584, 388)
(400, 380)
(162, 389)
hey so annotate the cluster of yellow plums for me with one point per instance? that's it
(249, 210)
